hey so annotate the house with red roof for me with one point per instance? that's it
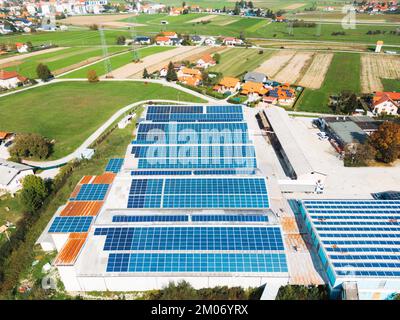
(231, 41)
(11, 79)
(384, 104)
(206, 61)
(163, 41)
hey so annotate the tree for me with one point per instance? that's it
(183, 4)
(300, 292)
(121, 40)
(236, 11)
(358, 155)
(30, 145)
(217, 58)
(33, 193)
(29, 45)
(171, 73)
(145, 74)
(94, 27)
(181, 291)
(43, 72)
(92, 76)
(386, 140)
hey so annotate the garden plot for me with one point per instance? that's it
(315, 74)
(375, 67)
(206, 18)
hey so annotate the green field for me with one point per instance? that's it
(261, 28)
(391, 84)
(343, 74)
(60, 59)
(55, 112)
(71, 38)
(237, 61)
(116, 62)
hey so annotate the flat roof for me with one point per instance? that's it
(348, 132)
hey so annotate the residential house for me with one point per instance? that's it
(395, 96)
(228, 85)
(22, 47)
(164, 70)
(253, 90)
(255, 77)
(385, 105)
(231, 41)
(210, 41)
(280, 19)
(206, 61)
(176, 41)
(10, 79)
(163, 41)
(283, 94)
(169, 34)
(142, 40)
(12, 174)
(176, 11)
(4, 135)
(196, 39)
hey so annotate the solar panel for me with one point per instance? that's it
(192, 238)
(197, 262)
(197, 163)
(133, 218)
(190, 172)
(114, 165)
(230, 218)
(91, 192)
(71, 224)
(356, 233)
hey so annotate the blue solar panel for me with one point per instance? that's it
(132, 218)
(71, 224)
(92, 192)
(197, 262)
(193, 117)
(190, 172)
(114, 165)
(230, 218)
(356, 233)
(192, 238)
(197, 163)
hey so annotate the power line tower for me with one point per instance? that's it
(319, 25)
(135, 52)
(290, 28)
(107, 62)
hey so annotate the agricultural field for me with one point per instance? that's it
(55, 113)
(60, 61)
(391, 84)
(343, 74)
(117, 61)
(338, 16)
(295, 67)
(375, 67)
(70, 38)
(237, 61)
(315, 74)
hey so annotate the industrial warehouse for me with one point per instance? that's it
(201, 196)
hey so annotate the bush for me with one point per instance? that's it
(121, 40)
(33, 193)
(30, 145)
(43, 72)
(94, 27)
(299, 292)
(92, 76)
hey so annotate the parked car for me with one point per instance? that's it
(322, 136)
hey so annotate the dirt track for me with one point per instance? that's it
(157, 61)
(315, 74)
(374, 67)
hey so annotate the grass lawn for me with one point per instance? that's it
(60, 59)
(116, 62)
(391, 84)
(343, 74)
(55, 112)
(237, 61)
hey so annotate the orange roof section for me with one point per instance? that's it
(229, 82)
(191, 71)
(106, 178)
(4, 135)
(86, 179)
(169, 33)
(392, 95)
(250, 87)
(82, 208)
(207, 58)
(5, 75)
(76, 191)
(71, 249)
(162, 39)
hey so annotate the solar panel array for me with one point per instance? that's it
(201, 146)
(114, 165)
(198, 193)
(359, 236)
(71, 224)
(92, 192)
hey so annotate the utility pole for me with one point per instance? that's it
(135, 53)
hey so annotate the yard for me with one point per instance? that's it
(237, 61)
(343, 74)
(391, 84)
(55, 112)
(116, 62)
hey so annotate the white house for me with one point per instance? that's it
(230, 41)
(385, 105)
(12, 174)
(206, 61)
(10, 79)
(22, 48)
(209, 41)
